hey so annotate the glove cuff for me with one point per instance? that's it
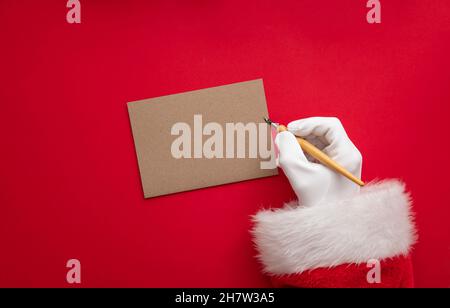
(377, 223)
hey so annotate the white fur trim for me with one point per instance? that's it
(375, 224)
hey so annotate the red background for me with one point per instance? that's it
(69, 180)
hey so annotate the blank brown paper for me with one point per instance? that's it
(152, 120)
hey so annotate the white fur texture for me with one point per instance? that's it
(375, 224)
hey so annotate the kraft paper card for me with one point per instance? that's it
(202, 138)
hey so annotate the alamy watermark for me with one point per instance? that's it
(74, 14)
(212, 140)
(374, 274)
(374, 14)
(74, 273)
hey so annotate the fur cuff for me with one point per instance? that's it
(375, 224)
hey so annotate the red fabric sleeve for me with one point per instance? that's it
(394, 273)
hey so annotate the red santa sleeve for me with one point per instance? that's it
(364, 241)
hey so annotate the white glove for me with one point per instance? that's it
(312, 182)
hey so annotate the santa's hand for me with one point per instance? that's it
(312, 182)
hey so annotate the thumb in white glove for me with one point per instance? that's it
(312, 182)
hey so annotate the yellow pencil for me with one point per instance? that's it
(318, 154)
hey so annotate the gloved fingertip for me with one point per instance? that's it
(288, 147)
(282, 137)
(299, 128)
(295, 124)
